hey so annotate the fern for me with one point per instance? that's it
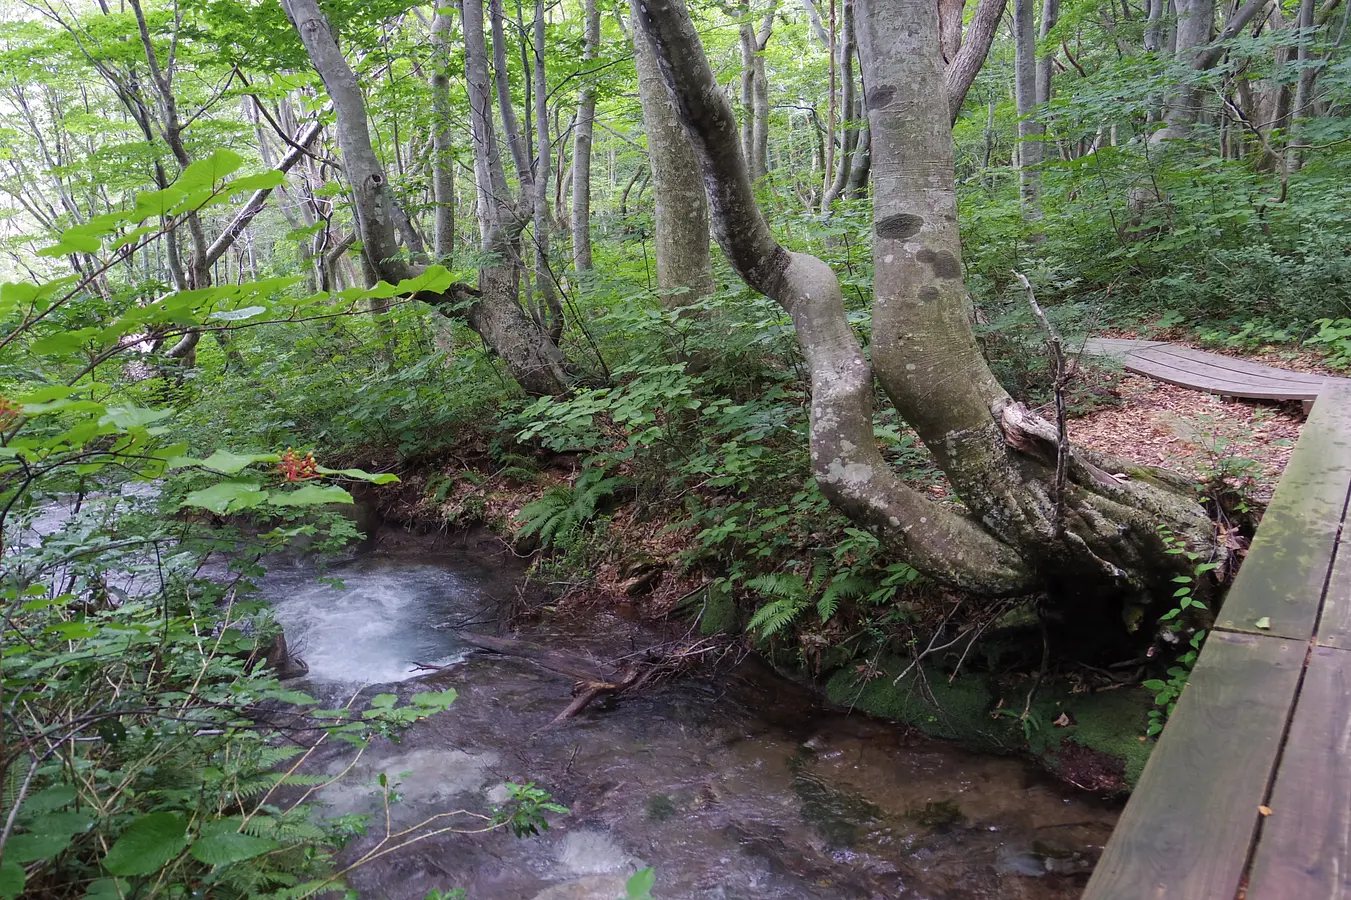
(842, 587)
(790, 599)
(566, 509)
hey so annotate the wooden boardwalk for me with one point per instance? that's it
(1213, 373)
(1265, 724)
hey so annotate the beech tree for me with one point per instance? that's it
(1036, 513)
(493, 309)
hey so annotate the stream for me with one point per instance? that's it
(741, 787)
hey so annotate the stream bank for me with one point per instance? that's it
(737, 784)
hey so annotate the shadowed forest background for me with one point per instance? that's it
(756, 321)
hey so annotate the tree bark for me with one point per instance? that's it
(1025, 95)
(550, 310)
(849, 134)
(443, 159)
(961, 72)
(581, 148)
(684, 265)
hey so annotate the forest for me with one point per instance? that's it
(754, 323)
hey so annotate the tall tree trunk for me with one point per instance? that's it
(1050, 14)
(1025, 94)
(493, 311)
(581, 148)
(684, 265)
(1022, 527)
(849, 135)
(550, 315)
(443, 159)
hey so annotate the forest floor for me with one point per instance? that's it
(1247, 442)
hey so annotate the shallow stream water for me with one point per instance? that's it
(742, 786)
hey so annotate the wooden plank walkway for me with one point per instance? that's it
(1265, 722)
(1213, 373)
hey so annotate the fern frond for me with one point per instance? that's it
(776, 615)
(779, 584)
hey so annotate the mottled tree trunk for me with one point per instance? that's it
(1017, 531)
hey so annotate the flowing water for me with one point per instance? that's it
(738, 787)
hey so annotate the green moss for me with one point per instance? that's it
(959, 709)
(720, 613)
(1112, 722)
(1108, 722)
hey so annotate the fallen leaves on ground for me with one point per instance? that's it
(1194, 433)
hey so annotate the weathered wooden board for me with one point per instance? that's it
(1211, 372)
(1165, 364)
(1231, 366)
(1304, 852)
(1283, 575)
(1186, 831)
(1334, 629)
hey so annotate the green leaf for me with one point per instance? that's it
(206, 172)
(65, 822)
(26, 848)
(158, 203)
(133, 416)
(362, 475)
(11, 879)
(228, 496)
(151, 842)
(640, 884)
(81, 240)
(435, 279)
(311, 495)
(221, 843)
(227, 463)
(47, 799)
(1264, 623)
(63, 342)
(435, 699)
(263, 181)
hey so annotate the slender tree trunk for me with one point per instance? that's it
(849, 134)
(550, 309)
(443, 159)
(1050, 14)
(581, 148)
(493, 311)
(1025, 92)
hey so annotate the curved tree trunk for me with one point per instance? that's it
(1017, 532)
